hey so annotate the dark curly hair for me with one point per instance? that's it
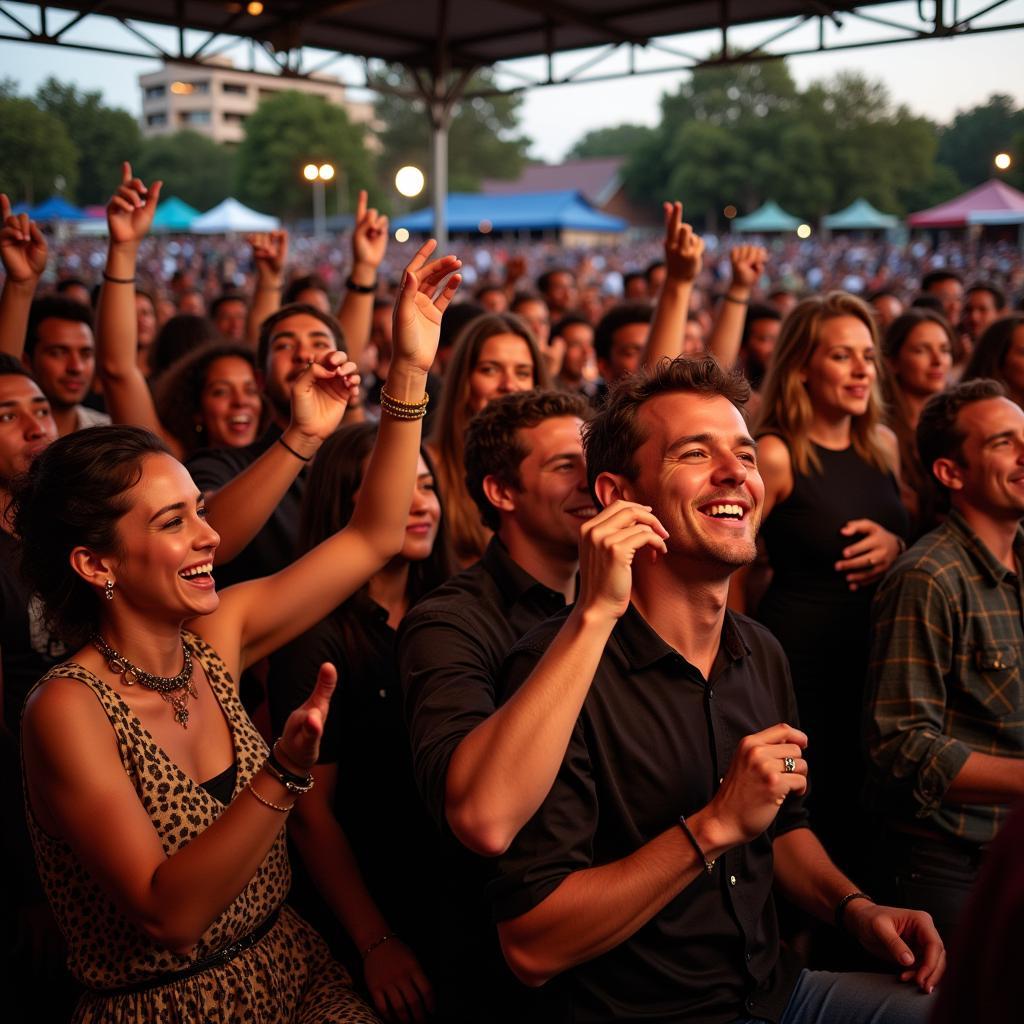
(73, 494)
(179, 336)
(178, 393)
(612, 437)
(494, 447)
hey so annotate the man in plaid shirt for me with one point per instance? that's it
(945, 710)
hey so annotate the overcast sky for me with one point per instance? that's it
(933, 78)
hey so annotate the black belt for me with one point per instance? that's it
(218, 959)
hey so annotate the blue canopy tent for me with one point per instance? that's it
(56, 208)
(770, 218)
(473, 213)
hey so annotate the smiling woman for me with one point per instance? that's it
(152, 799)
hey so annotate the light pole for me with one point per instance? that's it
(318, 175)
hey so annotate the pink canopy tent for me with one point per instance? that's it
(995, 202)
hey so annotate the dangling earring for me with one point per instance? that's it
(108, 590)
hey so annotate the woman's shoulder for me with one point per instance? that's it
(66, 698)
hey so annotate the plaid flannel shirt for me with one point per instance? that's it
(946, 678)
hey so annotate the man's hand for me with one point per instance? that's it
(756, 785)
(608, 544)
(871, 557)
(396, 982)
(22, 246)
(892, 933)
(748, 262)
(418, 311)
(270, 254)
(684, 248)
(130, 211)
(320, 395)
(369, 242)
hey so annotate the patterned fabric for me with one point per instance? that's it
(288, 976)
(945, 678)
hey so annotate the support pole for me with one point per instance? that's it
(440, 120)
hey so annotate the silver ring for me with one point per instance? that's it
(788, 765)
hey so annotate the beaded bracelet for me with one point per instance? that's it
(403, 410)
(266, 803)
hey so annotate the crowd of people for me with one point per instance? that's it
(613, 635)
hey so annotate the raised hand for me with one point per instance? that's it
(396, 982)
(684, 248)
(757, 783)
(895, 933)
(299, 745)
(871, 557)
(608, 545)
(130, 210)
(22, 245)
(424, 297)
(270, 253)
(748, 262)
(369, 236)
(320, 395)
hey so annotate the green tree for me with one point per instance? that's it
(289, 130)
(968, 145)
(621, 140)
(191, 166)
(103, 136)
(483, 140)
(35, 151)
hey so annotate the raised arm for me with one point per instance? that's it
(748, 263)
(23, 253)
(501, 772)
(257, 617)
(129, 400)
(75, 779)
(684, 252)
(270, 254)
(369, 244)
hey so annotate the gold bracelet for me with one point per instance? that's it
(266, 803)
(403, 410)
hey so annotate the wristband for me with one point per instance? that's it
(732, 298)
(118, 280)
(709, 865)
(266, 803)
(377, 943)
(284, 444)
(403, 410)
(297, 784)
(360, 289)
(847, 899)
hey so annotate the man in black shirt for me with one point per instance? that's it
(643, 884)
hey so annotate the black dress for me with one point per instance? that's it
(823, 627)
(376, 801)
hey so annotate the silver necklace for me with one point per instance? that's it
(174, 689)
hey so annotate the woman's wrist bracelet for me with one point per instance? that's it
(403, 410)
(267, 803)
(293, 782)
(118, 280)
(732, 298)
(360, 289)
(377, 943)
(284, 444)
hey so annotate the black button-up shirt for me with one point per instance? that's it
(653, 741)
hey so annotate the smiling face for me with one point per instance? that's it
(504, 365)
(697, 469)
(293, 343)
(165, 558)
(552, 501)
(424, 516)
(989, 476)
(230, 403)
(924, 360)
(26, 425)
(1013, 364)
(841, 371)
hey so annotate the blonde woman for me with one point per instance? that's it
(833, 526)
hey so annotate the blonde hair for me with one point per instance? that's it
(786, 408)
(468, 534)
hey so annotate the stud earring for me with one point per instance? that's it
(199, 428)
(108, 590)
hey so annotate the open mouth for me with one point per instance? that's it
(584, 512)
(199, 574)
(723, 510)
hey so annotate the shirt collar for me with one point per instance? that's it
(512, 579)
(987, 563)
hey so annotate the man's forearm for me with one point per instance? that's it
(502, 771)
(987, 779)
(805, 873)
(597, 909)
(355, 313)
(15, 304)
(727, 330)
(665, 339)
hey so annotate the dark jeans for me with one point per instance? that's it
(928, 874)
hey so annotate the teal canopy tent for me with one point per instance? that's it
(767, 219)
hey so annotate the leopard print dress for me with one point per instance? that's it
(288, 976)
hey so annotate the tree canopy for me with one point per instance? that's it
(191, 166)
(36, 151)
(620, 140)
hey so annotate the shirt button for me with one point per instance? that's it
(732, 881)
(721, 779)
(747, 956)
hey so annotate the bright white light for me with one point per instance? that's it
(804, 231)
(326, 172)
(310, 171)
(1003, 161)
(401, 235)
(409, 181)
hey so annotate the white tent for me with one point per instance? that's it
(230, 216)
